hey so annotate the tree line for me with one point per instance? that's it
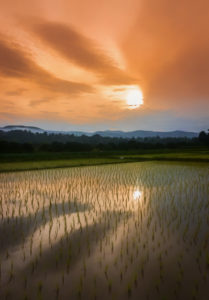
(24, 141)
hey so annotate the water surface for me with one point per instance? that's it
(138, 230)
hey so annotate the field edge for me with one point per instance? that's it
(82, 162)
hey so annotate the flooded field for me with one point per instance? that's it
(138, 231)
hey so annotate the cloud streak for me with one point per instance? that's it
(15, 63)
(80, 50)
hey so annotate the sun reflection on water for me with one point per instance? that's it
(137, 195)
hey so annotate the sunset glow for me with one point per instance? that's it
(134, 98)
(62, 67)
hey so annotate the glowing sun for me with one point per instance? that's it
(134, 98)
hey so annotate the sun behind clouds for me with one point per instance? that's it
(134, 98)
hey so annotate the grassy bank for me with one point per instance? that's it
(35, 161)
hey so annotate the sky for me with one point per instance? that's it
(70, 64)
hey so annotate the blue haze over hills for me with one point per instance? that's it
(107, 133)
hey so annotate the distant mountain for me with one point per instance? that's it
(144, 134)
(22, 127)
(108, 133)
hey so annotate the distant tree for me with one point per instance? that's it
(203, 137)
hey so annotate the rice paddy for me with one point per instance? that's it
(126, 231)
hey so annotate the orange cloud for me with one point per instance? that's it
(80, 50)
(15, 63)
